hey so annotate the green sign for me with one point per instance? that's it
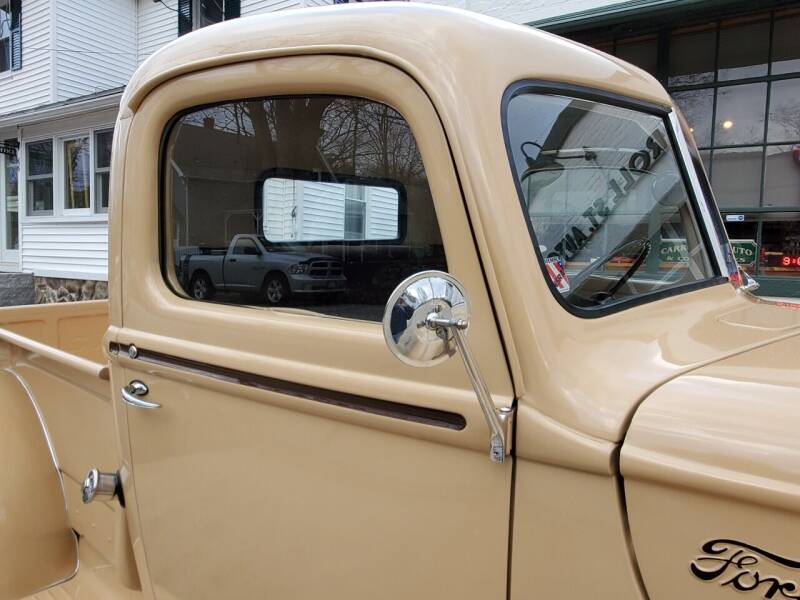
(673, 250)
(745, 251)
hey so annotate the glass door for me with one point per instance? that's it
(9, 210)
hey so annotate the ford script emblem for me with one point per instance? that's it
(745, 568)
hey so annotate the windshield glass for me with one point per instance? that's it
(605, 199)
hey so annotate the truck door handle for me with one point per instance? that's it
(133, 392)
(231, 260)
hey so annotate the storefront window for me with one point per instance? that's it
(76, 173)
(785, 46)
(784, 111)
(737, 176)
(697, 106)
(743, 234)
(743, 47)
(740, 114)
(783, 176)
(780, 244)
(691, 55)
(40, 177)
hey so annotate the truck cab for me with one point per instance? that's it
(544, 375)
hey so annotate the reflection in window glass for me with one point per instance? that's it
(786, 43)
(330, 191)
(705, 156)
(743, 234)
(782, 181)
(603, 192)
(744, 47)
(736, 176)
(784, 111)
(697, 106)
(780, 244)
(740, 114)
(76, 173)
(642, 52)
(691, 56)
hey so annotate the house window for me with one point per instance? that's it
(10, 35)
(40, 177)
(77, 164)
(102, 169)
(81, 182)
(355, 212)
(196, 14)
(10, 177)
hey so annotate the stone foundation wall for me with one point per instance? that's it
(50, 289)
(16, 289)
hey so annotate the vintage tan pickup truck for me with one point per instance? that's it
(546, 377)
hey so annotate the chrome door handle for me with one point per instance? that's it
(133, 392)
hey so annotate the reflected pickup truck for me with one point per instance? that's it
(561, 387)
(252, 265)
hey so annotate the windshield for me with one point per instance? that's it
(605, 199)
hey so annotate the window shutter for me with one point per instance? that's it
(233, 9)
(184, 16)
(16, 34)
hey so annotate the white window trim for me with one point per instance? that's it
(8, 5)
(93, 214)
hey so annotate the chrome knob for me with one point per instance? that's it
(99, 486)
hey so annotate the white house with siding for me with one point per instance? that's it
(63, 67)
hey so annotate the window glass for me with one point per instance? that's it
(102, 168)
(606, 200)
(742, 231)
(332, 189)
(691, 55)
(736, 176)
(246, 246)
(697, 106)
(786, 43)
(705, 156)
(780, 244)
(640, 51)
(744, 47)
(5, 35)
(76, 173)
(40, 177)
(784, 111)
(782, 181)
(11, 168)
(740, 114)
(209, 12)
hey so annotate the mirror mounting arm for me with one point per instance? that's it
(496, 419)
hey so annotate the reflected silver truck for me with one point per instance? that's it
(252, 265)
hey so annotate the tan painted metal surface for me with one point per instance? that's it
(245, 491)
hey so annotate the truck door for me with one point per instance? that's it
(243, 269)
(286, 453)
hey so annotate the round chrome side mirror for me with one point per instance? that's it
(415, 312)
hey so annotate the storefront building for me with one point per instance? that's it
(734, 69)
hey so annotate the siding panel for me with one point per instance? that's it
(96, 41)
(76, 250)
(32, 85)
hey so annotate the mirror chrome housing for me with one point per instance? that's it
(425, 321)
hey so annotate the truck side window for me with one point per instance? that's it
(606, 201)
(319, 203)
